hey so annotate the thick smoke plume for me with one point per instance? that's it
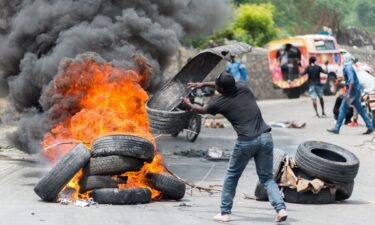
(35, 35)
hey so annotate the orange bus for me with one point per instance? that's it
(323, 47)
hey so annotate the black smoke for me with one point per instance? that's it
(35, 35)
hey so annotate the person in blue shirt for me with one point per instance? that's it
(237, 70)
(351, 97)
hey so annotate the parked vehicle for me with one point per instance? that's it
(323, 47)
(193, 127)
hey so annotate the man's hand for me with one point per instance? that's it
(195, 85)
(187, 103)
(326, 63)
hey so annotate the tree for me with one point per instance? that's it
(253, 23)
(366, 13)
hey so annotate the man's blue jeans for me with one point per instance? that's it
(261, 148)
(357, 104)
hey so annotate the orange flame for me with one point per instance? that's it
(94, 99)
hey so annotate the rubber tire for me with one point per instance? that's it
(167, 122)
(65, 169)
(344, 191)
(112, 165)
(88, 183)
(293, 93)
(278, 156)
(169, 186)
(124, 145)
(325, 169)
(193, 137)
(115, 196)
(373, 117)
(323, 197)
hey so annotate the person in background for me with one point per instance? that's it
(367, 82)
(289, 58)
(352, 96)
(237, 70)
(315, 86)
(237, 103)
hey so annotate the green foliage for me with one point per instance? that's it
(252, 24)
(366, 13)
(259, 21)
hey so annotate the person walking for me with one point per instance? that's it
(237, 70)
(351, 97)
(237, 103)
(315, 86)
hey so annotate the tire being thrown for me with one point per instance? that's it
(166, 122)
(115, 196)
(124, 145)
(326, 161)
(112, 165)
(65, 169)
(169, 186)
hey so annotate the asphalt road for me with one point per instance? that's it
(19, 173)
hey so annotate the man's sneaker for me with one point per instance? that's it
(221, 217)
(369, 131)
(281, 216)
(333, 130)
(353, 124)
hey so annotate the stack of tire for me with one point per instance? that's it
(110, 157)
(332, 164)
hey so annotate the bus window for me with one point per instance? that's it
(325, 45)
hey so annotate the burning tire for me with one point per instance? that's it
(165, 122)
(323, 197)
(169, 186)
(54, 181)
(97, 182)
(278, 156)
(112, 165)
(124, 145)
(327, 161)
(116, 196)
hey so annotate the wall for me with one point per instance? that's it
(256, 64)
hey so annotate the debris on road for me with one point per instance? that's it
(287, 124)
(212, 154)
(212, 123)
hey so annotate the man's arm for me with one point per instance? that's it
(305, 71)
(193, 107)
(201, 85)
(326, 65)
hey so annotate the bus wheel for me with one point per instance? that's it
(293, 92)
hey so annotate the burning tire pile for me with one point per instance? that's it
(105, 173)
(332, 167)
